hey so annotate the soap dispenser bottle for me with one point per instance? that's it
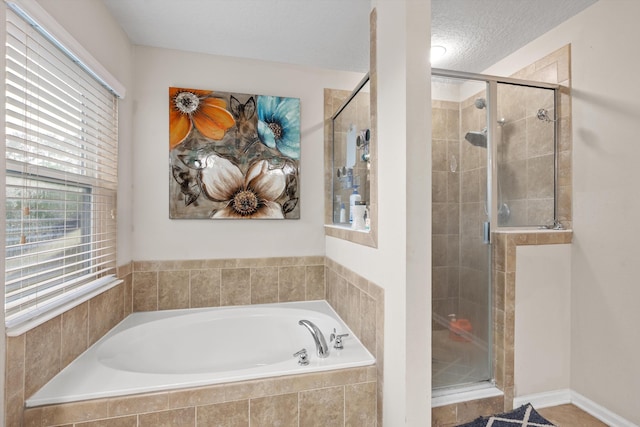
(353, 198)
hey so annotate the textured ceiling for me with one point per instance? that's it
(335, 33)
(479, 33)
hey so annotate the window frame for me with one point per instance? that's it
(43, 24)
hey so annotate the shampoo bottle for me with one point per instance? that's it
(353, 198)
(343, 214)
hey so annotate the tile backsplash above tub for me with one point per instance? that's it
(165, 285)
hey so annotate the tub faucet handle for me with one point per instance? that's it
(337, 338)
(303, 358)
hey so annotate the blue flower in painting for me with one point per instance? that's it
(279, 124)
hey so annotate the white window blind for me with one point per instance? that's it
(61, 176)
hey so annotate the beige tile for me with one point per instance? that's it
(173, 289)
(439, 160)
(360, 405)
(264, 285)
(249, 389)
(15, 369)
(128, 294)
(468, 411)
(128, 405)
(344, 376)
(185, 417)
(14, 416)
(124, 270)
(291, 285)
(439, 186)
(74, 412)
(204, 287)
(272, 411)
(235, 286)
(368, 322)
(540, 177)
(42, 355)
(444, 416)
(105, 311)
(145, 291)
(353, 318)
(75, 333)
(196, 397)
(296, 383)
(315, 282)
(230, 414)
(131, 421)
(323, 407)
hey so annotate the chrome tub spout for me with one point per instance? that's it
(322, 350)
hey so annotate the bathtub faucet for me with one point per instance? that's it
(321, 345)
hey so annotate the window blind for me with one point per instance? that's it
(61, 176)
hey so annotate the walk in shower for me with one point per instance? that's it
(494, 165)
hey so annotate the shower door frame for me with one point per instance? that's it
(492, 172)
(492, 129)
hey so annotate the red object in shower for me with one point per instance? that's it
(459, 329)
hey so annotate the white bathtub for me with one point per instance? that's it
(163, 350)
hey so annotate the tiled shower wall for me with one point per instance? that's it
(35, 357)
(460, 261)
(474, 254)
(445, 209)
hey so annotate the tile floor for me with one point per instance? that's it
(456, 363)
(569, 416)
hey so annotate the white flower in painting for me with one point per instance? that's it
(244, 196)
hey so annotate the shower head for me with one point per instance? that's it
(478, 139)
(543, 115)
(480, 103)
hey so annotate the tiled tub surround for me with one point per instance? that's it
(336, 398)
(155, 351)
(35, 357)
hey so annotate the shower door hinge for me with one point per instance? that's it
(486, 232)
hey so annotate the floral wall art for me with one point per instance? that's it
(233, 155)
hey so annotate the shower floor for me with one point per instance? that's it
(456, 363)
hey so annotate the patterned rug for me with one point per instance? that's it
(523, 416)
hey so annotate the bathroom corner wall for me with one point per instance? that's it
(36, 356)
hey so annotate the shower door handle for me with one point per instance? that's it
(486, 232)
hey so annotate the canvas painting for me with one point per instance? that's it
(233, 156)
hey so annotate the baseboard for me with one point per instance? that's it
(600, 412)
(546, 399)
(565, 396)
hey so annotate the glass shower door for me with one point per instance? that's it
(461, 346)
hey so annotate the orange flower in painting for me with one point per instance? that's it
(192, 107)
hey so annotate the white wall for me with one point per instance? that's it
(605, 65)
(155, 236)
(401, 263)
(92, 25)
(543, 319)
